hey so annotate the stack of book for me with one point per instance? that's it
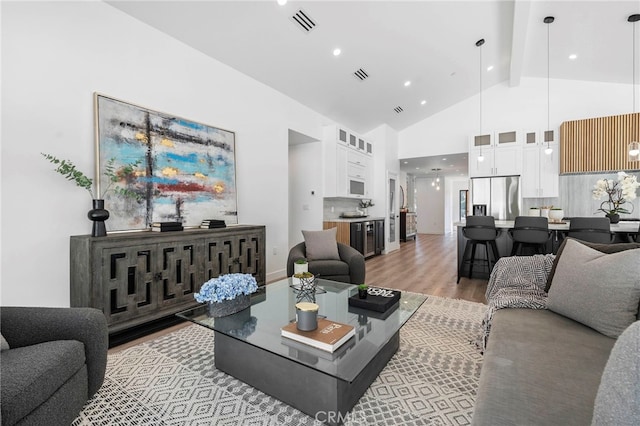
(212, 223)
(166, 226)
(329, 335)
(378, 299)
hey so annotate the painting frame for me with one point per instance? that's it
(174, 169)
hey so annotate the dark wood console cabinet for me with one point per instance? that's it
(139, 277)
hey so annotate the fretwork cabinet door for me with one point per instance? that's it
(141, 279)
(240, 253)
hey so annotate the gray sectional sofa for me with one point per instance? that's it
(52, 361)
(545, 366)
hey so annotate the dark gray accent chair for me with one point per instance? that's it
(591, 229)
(349, 269)
(530, 232)
(479, 230)
(56, 361)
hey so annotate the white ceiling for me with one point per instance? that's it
(430, 43)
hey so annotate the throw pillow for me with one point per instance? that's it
(618, 398)
(4, 345)
(601, 291)
(321, 245)
(604, 248)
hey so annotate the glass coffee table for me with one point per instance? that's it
(324, 385)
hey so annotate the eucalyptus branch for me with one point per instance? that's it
(67, 169)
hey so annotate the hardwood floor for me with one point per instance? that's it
(427, 265)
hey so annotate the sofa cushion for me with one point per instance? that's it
(604, 248)
(618, 398)
(31, 374)
(321, 244)
(326, 268)
(599, 290)
(540, 368)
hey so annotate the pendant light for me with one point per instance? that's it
(479, 44)
(548, 150)
(436, 182)
(634, 145)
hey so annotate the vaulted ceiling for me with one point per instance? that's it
(429, 43)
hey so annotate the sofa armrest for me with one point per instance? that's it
(297, 252)
(355, 260)
(24, 326)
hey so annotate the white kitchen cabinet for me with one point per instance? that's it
(540, 174)
(347, 164)
(498, 161)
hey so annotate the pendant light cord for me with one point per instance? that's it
(548, 77)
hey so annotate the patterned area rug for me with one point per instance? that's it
(431, 380)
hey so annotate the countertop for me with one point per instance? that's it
(623, 226)
(354, 219)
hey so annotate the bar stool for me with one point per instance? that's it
(532, 232)
(591, 229)
(479, 230)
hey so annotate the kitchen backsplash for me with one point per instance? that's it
(576, 197)
(339, 205)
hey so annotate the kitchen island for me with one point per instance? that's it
(505, 243)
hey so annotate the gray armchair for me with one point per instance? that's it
(349, 269)
(56, 361)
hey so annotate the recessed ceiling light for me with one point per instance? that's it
(444, 159)
(423, 102)
(336, 51)
(417, 168)
(406, 162)
(282, 2)
(573, 56)
(490, 67)
(407, 83)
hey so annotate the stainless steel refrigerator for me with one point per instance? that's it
(500, 195)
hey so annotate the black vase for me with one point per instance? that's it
(98, 215)
(613, 217)
(362, 293)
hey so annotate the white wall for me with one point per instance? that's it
(430, 209)
(54, 56)
(305, 190)
(521, 107)
(385, 160)
(452, 187)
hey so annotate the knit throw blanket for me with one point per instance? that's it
(516, 282)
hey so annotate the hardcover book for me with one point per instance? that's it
(329, 335)
(378, 299)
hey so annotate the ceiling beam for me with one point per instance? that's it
(521, 13)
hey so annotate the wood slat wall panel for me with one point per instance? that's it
(598, 144)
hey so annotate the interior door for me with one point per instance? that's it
(393, 211)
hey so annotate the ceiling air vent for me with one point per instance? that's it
(361, 74)
(398, 109)
(303, 21)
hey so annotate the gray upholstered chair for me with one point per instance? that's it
(349, 269)
(530, 231)
(55, 361)
(591, 229)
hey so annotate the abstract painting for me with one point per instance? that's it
(183, 171)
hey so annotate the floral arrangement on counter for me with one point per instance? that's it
(226, 287)
(618, 193)
(366, 203)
